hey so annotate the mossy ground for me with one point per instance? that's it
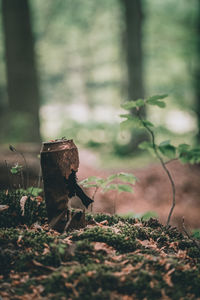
(112, 258)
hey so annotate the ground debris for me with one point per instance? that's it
(112, 258)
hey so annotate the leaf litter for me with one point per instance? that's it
(115, 258)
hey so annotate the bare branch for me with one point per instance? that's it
(188, 235)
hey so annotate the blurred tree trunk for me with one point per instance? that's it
(197, 72)
(22, 81)
(133, 18)
(133, 45)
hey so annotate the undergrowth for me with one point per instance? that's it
(111, 258)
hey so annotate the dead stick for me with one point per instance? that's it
(188, 235)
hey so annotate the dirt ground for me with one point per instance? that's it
(151, 193)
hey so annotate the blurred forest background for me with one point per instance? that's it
(67, 65)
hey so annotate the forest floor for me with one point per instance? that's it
(110, 258)
(152, 191)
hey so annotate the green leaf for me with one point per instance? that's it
(167, 150)
(127, 177)
(183, 148)
(155, 100)
(124, 188)
(127, 116)
(133, 104)
(112, 177)
(147, 123)
(100, 181)
(184, 158)
(164, 143)
(158, 97)
(16, 169)
(110, 187)
(88, 185)
(135, 122)
(145, 145)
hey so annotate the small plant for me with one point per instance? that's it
(120, 182)
(17, 168)
(164, 150)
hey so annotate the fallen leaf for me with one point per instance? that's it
(90, 273)
(103, 246)
(182, 254)
(117, 257)
(70, 285)
(19, 240)
(167, 277)
(38, 264)
(3, 207)
(22, 204)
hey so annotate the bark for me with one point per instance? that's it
(133, 45)
(133, 17)
(22, 79)
(60, 162)
(197, 72)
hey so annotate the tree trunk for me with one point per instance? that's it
(133, 18)
(133, 46)
(22, 81)
(197, 72)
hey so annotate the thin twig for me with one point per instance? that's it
(22, 179)
(39, 178)
(164, 167)
(13, 149)
(27, 173)
(188, 235)
(95, 191)
(169, 161)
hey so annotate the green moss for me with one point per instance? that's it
(34, 211)
(120, 242)
(76, 269)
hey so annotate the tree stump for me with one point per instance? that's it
(59, 159)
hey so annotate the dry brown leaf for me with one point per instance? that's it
(103, 246)
(68, 240)
(124, 262)
(70, 285)
(3, 207)
(182, 254)
(117, 257)
(127, 297)
(164, 296)
(149, 244)
(19, 240)
(105, 222)
(64, 275)
(174, 245)
(167, 266)
(22, 204)
(90, 273)
(162, 261)
(39, 199)
(167, 277)
(15, 282)
(38, 264)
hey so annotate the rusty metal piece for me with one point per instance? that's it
(58, 159)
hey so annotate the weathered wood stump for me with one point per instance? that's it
(59, 163)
